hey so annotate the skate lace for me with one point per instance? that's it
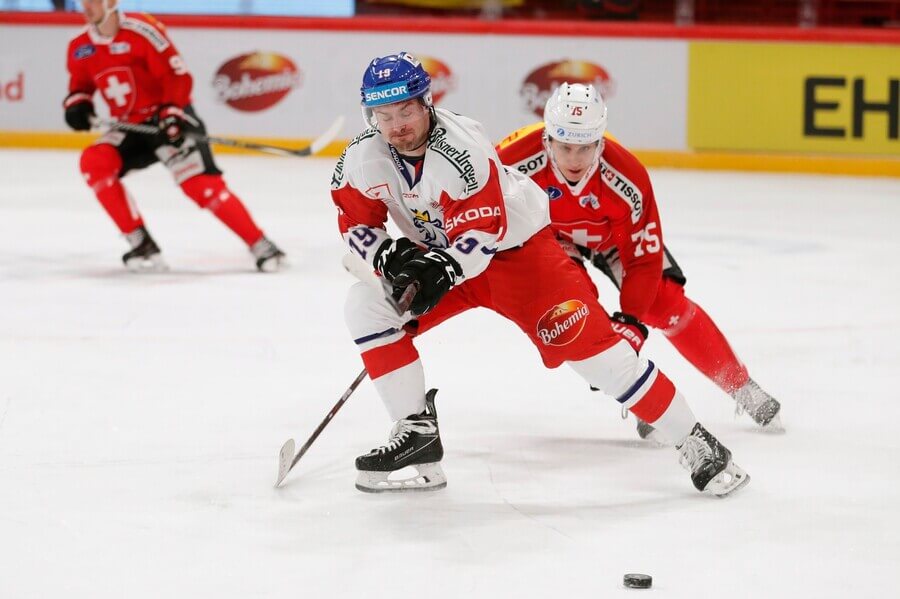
(401, 432)
(263, 248)
(694, 452)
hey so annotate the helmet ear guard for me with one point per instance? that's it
(576, 114)
(391, 79)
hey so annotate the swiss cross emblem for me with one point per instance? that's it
(117, 86)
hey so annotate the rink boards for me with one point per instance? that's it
(704, 97)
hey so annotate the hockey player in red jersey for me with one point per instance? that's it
(603, 210)
(474, 234)
(134, 66)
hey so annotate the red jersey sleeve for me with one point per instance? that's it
(355, 209)
(80, 81)
(163, 60)
(640, 240)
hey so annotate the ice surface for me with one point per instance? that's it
(141, 415)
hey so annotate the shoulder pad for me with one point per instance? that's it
(148, 32)
(519, 134)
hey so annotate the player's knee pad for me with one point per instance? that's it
(100, 164)
(612, 371)
(671, 310)
(207, 191)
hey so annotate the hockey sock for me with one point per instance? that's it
(639, 386)
(699, 340)
(210, 192)
(398, 376)
(660, 404)
(100, 165)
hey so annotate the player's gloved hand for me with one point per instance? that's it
(435, 271)
(630, 329)
(79, 111)
(174, 122)
(393, 254)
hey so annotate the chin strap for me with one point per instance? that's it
(581, 184)
(107, 13)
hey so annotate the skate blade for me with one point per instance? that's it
(774, 426)
(429, 477)
(729, 480)
(273, 264)
(154, 263)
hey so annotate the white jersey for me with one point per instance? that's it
(460, 198)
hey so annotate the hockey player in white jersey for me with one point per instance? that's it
(474, 234)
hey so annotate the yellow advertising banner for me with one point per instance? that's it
(794, 97)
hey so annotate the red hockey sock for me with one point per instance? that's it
(210, 191)
(385, 359)
(100, 165)
(701, 342)
(662, 405)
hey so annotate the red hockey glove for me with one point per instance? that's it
(174, 122)
(630, 329)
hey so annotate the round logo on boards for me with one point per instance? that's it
(543, 81)
(256, 81)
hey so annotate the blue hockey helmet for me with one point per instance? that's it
(394, 78)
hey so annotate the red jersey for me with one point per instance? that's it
(136, 71)
(613, 209)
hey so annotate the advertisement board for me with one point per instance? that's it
(789, 97)
(292, 84)
(707, 97)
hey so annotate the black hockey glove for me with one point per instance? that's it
(435, 271)
(630, 329)
(392, 256)
(79, 111)
(174, 122)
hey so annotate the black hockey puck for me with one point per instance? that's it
(638, 581)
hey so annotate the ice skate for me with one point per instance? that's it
(710, 464)
(268, 257)
(649, 433)
(760, 406)
(415, 441)
(144, 255)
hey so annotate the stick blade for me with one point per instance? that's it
(285, 460)
(328, 136)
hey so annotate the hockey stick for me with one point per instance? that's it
(286, 457)
(315, 147)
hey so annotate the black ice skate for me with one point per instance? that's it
(415, 441)
(759, 405)
(712, 469)
(268, 257)
(649, 433)
(144, 255)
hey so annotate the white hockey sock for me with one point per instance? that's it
(403, 390)
(677, 421)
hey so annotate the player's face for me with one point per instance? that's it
(573, 160)
(95, 9)
(404, 125)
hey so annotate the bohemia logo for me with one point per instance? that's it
(442, 78)
(14, 89)
(254, 82)
(562, 323)
(544, 80)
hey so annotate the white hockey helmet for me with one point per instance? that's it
(575, 114)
